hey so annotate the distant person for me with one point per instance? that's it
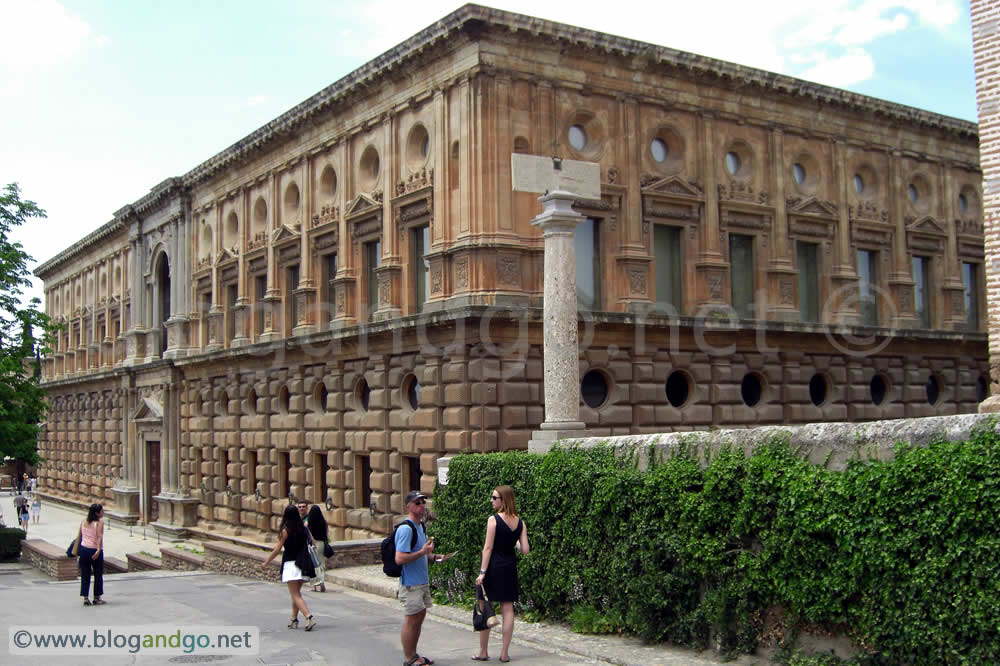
(414, 583)
(20, 502)
(320, 532)
(36, 510)
(296, 567)
(498, 570)
(34, 485)
(92, 555)
(24, 518)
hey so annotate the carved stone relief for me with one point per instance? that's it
(508, 270)
(462, 273)
(637, 281)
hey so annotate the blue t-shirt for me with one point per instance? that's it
(415, 572)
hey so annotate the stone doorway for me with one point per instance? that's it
(151, 487)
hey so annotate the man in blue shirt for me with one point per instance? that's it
(414, 584)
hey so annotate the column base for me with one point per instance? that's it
(126, 511)
(543, 440)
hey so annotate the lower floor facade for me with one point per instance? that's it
(353, 419)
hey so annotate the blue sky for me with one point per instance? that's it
(103, 99)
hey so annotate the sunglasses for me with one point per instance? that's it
(494, 498)
(420, 501)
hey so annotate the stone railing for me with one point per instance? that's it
(49, 559)
(355, 553)
(176, 559)
(142, 562)
(240, 561)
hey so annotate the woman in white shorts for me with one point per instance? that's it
(296, 566)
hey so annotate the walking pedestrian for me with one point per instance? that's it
(414, 583)
(320, 532)
(92, 555)
(296, 567)
(36, 510)
(498, 570)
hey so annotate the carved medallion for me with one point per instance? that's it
(637, 281)
(509, 270)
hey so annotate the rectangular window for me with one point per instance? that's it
(667, 264)
(970, 282)
(251, 472)
(372, 251)
(329, 292)
(741, 274)
(260, 289)
(921, 290)
(867, 284)
(586, 246)
(421, 267)
(807, 255)
(363, 469)
(291, 307)
(284, 464)
(319, 482)
(230, 313)
(413, 472)
(224, 467)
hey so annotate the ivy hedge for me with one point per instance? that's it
(903, 556)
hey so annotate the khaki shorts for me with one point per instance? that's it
(415, 598)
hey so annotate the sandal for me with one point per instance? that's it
(478, 658)
(310, 624)
(294, 624)
(99, 602)
(427, 660)
(417, 661)
(86, 602)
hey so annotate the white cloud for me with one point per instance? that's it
(853, 67)
(257, 100)
(41, 32)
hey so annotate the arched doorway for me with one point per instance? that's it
(163, 294)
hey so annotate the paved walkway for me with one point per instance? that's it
(447, 630)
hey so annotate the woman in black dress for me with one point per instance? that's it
(498, 570)
(321, 535)
(296, 567)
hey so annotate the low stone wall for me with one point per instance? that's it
(176, 559)
(49, 559)
(828, 444)
(241, 561)
(113, 565)
(355, 553)
(140, 562)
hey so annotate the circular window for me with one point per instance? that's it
(368, 168)
(252, 403)
(678, 387)
(320, 394)
(418, 145)
(284, 400)
(733, 163)
(817, 389)
(224, 403)
(577, 137)
(363, 394)
(658, 148)
(799, 172)
(933, 390)
(963, 203)
(859, 184)
(913, 193)
(877, 389)
(751, 389)
(411, 391)
(982, 389)
(328, 181)
(594, 389)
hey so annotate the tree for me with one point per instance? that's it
(22, 400)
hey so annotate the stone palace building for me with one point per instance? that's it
(353, 291)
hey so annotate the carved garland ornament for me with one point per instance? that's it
(508, 270)
(637, 281)
(462, 273)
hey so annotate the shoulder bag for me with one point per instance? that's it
(483, 615)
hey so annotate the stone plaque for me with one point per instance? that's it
(531, 173)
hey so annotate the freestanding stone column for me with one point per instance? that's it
(986, 48)
(561, 347)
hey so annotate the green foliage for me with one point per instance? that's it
(10, 542)
(22, 402)
(902, 555)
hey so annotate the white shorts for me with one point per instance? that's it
(290, 571)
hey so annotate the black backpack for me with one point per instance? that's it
(389, 566)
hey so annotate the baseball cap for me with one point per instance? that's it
(414, 495)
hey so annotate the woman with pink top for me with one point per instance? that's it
(92, 554)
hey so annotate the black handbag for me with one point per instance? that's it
(483, 616)
(327, 550)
